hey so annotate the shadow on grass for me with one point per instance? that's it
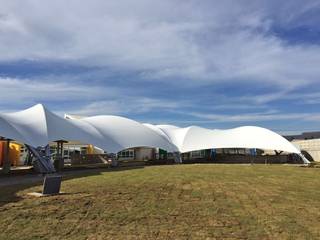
(8, 194)
(10, 185)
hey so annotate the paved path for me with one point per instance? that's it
(38, 178)
(14, 180)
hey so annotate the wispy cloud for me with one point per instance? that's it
(125, 105)
(257, 117)
(28, 91)
(208, 61)
(229, 42)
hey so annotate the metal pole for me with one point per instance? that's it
(61, 162)
(58, 157)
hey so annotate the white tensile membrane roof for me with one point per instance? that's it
(196, 138)
(37, 126)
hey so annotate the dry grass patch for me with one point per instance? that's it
(171, 202)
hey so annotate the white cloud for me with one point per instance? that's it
(126, 105)
(27, 91)
(194, 43)
(90, 100)
(205, 42)
(256, 117)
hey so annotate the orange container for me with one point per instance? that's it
(1, 152)
(14, 153)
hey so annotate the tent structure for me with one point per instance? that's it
(37, 126)
(125, 133)
(195, 138)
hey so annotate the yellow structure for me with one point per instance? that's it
(14, 152)
(90, 149)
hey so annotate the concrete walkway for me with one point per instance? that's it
(12, 179)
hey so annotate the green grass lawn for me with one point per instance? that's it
(170, 202)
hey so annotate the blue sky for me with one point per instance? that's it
(216, 64)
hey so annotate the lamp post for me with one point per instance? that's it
(59, 160)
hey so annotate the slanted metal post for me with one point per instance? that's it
(304, 159)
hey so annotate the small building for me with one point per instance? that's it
(75, 153)
(310, 148)
(73, 148)
(142, 154)
(308, 143)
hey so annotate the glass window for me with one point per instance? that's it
(198, 154)
(126, 153)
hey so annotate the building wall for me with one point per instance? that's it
(74, 147)
(266, 159)
(143, 154)
(126, 155)
(198, 156)
(312, 146)
(137, 154)
(239, 151)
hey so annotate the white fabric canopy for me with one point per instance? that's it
(126, 133)
(196, 138)
(37, 126)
